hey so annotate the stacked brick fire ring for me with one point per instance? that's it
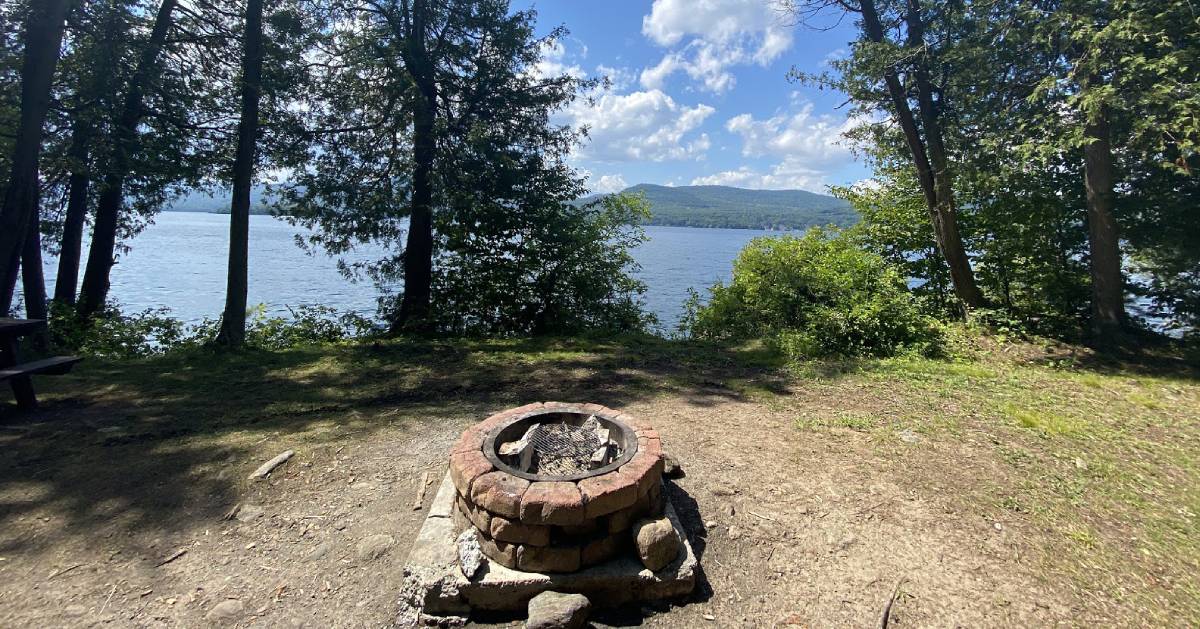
(540, 523)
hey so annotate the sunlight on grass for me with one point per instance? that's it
(848, 420)
(1047, 422)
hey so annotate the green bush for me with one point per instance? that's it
(152, 332)
(815, 295)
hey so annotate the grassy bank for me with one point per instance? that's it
(1016, 482)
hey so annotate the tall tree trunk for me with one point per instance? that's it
(83, 134)
(43, 38)
(33, 281)
(418, 251)
(1108, 296)
(934, 178)
(71, 246)
(233, 323)
(94, 291)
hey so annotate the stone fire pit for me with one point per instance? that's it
(556, 487)
(548, 497)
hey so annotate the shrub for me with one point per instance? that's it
(153, 332)
(547, 268)
(112, 333)
(815, 295)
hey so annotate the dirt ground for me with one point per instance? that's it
(116, 497)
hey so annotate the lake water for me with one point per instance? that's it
(179, 263)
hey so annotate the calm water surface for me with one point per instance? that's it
(179, 263)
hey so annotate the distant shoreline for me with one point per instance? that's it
(653, 223)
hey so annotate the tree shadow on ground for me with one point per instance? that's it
(145, 447)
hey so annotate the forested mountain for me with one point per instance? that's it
(217, 201)
(687, 206)
(725, 206)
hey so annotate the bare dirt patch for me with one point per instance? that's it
(810, 499)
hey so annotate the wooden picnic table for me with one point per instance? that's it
(18, 373)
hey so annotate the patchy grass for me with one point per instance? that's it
(1095, 464)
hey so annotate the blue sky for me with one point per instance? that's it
(700, 94)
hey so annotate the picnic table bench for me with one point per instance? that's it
(18, 373)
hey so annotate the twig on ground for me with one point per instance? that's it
(175, 555)
(107, 601)
(886, 616)
(873, 507)
(63, 571)
(266, 468)
(420, 499)
(759, 515)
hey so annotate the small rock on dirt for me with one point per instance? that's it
(226, 612)
(671, 467)
(470, 556)
(908, 436)
(555, 610)
(249, 513)
(723, 490)
(657, 542)
(374, 547)
(320, 551)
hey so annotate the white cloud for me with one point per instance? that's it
(647, 125)
(809, 147)
(834, 55)
(554, 62)
(619, 77)
(788, 174)
(609, 183)
(715, 35)
(816, 139)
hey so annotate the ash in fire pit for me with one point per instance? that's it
(561, 448)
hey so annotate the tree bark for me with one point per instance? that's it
(934, 178)
(946, 212)
(33, 280)
(233, 323)
(94, 291)
(418, 250)
(43, 38)
(1108, 296)
(83, 134)
(71, 246)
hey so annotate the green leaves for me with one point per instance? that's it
(815, 295)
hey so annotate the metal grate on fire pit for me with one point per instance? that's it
(560, 446)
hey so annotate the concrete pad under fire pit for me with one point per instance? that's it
(435, 586)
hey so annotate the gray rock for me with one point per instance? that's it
(375, 546)
(554, 610)
(226, 612)
(320, 551)
(671, 467)
(470, 556)
(248, 513)
(657, 542)
(908, 436)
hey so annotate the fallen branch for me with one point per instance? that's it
(267, 467)
(886, 616)
(175, 555)
(63, 571)
(759, 515)
(420, 500)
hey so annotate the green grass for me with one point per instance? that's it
(1101, 459)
